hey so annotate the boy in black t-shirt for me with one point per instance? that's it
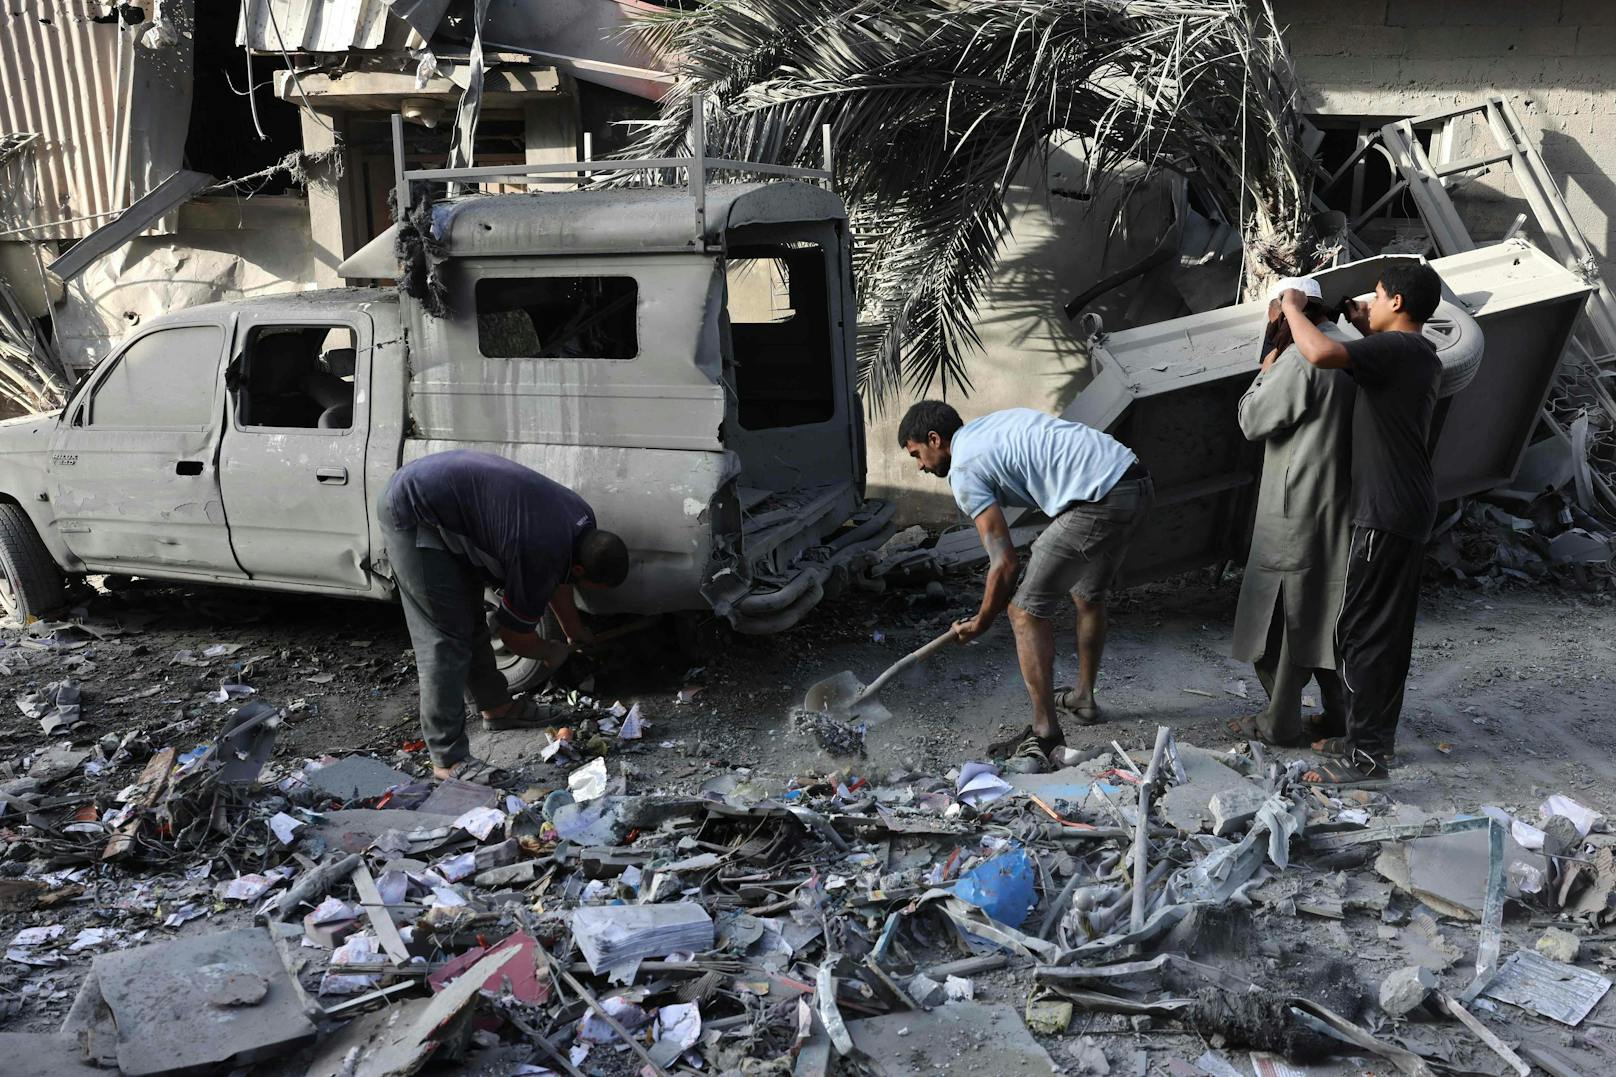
(1394, 505)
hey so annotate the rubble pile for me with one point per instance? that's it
(1200, 908)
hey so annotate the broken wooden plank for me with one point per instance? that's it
(380, 919)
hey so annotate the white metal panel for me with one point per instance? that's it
(70, 81)
(312, 25)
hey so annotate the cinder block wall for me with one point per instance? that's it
(1555, 60)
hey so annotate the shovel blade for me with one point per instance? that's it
(836, 695)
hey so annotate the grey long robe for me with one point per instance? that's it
(1303, 528)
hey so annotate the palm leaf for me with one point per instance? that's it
(935, 105)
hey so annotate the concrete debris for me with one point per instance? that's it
(356, 777)
(1406, 990)
(215, 1000)
(955, 922)
(962, 1040)
(1558, 945)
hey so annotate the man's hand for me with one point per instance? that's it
(969, 629)
(583, 637)
(552, 653)
(1293, 299)
(530, 645)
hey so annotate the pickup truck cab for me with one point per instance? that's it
(680, 356)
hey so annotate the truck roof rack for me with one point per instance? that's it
(695, 166)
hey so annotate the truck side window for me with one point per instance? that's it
(297, 377)
(779, 316)
(164, 380)
(558, 317)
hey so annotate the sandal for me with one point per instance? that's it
(1250, 728)
(1357, 773)
(526, 713)
(1086, 713)
(1032, 754)
(1005, 746)
(477, 772)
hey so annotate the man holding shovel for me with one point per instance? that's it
(1094, 490)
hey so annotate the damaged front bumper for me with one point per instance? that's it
(759, 595)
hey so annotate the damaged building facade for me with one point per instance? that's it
(283, 106)
(1361, 65)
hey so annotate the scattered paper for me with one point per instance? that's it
(358, 950)
(227, 692)
(677, 1030)
(979, 783)
(1586, 819)
(633, 725)
(333, 911)
(588, 782)
(285, 827)
(480, 822)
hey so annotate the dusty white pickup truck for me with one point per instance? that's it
(681, 356)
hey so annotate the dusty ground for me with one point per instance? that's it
(1513, 697)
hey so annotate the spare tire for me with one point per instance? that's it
(1459, 344)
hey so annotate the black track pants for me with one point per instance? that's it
(1374, 635)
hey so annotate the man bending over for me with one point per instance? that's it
(1095, 492)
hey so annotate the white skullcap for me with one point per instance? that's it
(1306, 285)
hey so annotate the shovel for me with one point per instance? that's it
(845, 696)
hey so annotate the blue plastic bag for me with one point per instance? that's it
(1001, 887)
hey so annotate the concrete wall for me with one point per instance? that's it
(224, 249)
(1555, 60)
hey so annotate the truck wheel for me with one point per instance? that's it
(31, 585)
(522, 674)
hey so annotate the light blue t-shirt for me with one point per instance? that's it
(1021, 457)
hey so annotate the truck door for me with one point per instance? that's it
(292, 461)
(132, 471)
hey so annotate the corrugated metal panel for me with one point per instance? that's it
(70, 81)
(318, 25)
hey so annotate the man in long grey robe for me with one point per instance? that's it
(1285, 622)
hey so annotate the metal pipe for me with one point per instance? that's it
(1140, 857)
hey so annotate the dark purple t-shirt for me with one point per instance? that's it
(513, 523)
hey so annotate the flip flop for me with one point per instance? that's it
(525, 713)
(1248, 728)
(478, 772)
(1086, 713)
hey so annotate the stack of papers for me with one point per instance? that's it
(616, 938)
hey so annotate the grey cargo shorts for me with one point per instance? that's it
(1081, 552)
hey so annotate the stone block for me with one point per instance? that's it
(1558, 945)
(1406, 990)
(1233, 809)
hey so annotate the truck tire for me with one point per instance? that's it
(1459, 344)
(521, 674)
(31, 586)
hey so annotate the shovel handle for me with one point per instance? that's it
(906, 661)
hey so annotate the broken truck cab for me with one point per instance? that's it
(686, 367)
(680, 356)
